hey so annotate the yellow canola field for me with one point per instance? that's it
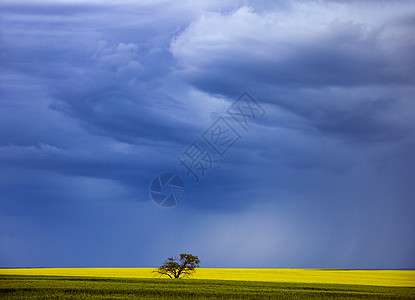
(405, 278)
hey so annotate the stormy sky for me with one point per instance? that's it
(98, 98)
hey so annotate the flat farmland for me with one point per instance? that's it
(403, 278)
(207, 283)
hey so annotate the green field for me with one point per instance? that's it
(207, 283)
(73, 287)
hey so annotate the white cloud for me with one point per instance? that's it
(274, 36)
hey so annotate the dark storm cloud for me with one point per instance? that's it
(302, 66)
(86, 82)
(96, 99)
(39, 8)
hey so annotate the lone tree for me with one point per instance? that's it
(184, 266)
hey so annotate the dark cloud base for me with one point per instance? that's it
(97, 99)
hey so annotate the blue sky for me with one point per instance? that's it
(96, 99)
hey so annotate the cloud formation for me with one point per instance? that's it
(97, 99)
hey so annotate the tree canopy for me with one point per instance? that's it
(183, 266)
